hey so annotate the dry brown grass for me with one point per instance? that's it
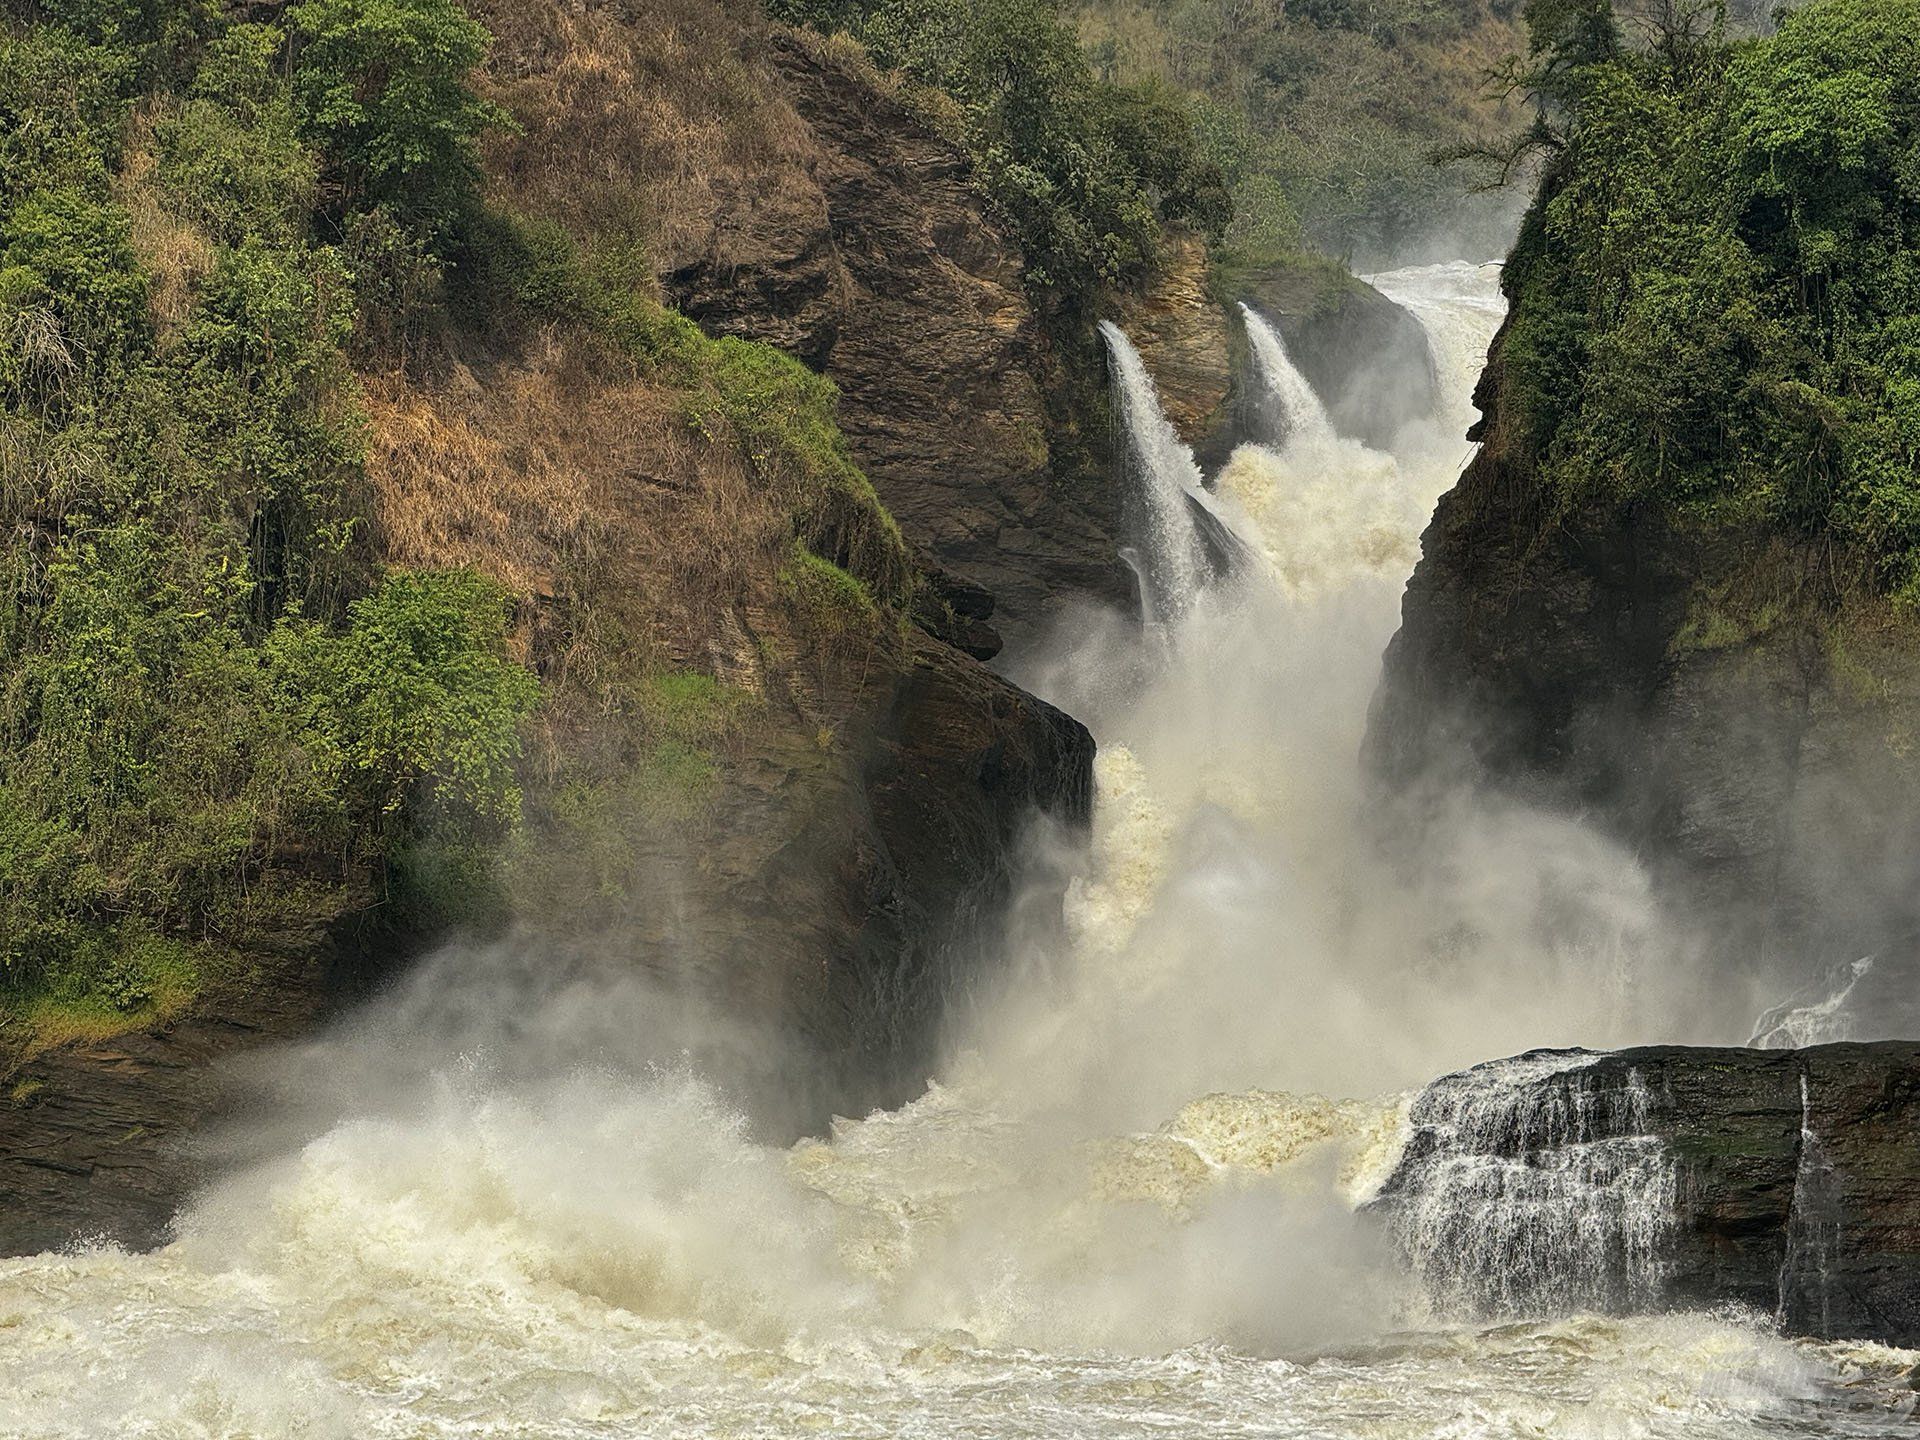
(637, 114)
(634, 541)
(177, 254)
(630, 541)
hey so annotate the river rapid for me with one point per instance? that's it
(1131, 1204)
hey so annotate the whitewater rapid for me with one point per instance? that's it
(1128, 1205)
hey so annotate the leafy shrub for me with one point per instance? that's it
(68, 260)
(215, 718)
(429, 707)
(230, 159)
(63, 108)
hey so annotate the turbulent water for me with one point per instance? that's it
(1128, 1206)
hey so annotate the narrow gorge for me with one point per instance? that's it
(736, 721)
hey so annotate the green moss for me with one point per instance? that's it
(596, 840)
(831, 598)
(113, 982)
(1852, 666)
(688, 708)
(1290, 280)
(1719, 625)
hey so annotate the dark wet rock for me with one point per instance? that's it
(956, 610)
(1796, 1173)
(981, 425)
(877, 263)
(94, 1136)
(1725, 701)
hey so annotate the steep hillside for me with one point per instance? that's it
(1676, 587)
(450, 580)
(563, 493)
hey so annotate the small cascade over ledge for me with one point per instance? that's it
(1286, 409)
(1181, 539)
(1535, 1186)
(1164, 485)
(1783, 1183)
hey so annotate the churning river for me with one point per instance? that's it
(1133, 1204)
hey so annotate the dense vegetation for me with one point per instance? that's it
(1325, 116)
(1085, 169)
(217, 714)
(224, 721)
(1715, 296)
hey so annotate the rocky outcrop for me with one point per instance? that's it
(1786, 1181)
(874, 261)
(1732, 704)
(94, 1135)
(1187, 340)
(870, 255)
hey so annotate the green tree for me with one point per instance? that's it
(381, 87)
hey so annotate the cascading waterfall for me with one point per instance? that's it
(1531, 1189)
(1289, 412)
(1165, 487)
(1131, 1194)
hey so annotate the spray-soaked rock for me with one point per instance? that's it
(1783, 1181)
(1733, 704)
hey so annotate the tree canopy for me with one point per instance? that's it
(1717, 293)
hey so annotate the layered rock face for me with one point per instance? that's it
(1730, 704)
(1784, 1181)
(837, 876)
(875, 264)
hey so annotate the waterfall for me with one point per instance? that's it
(1813, 1227)
(1288, 411)
(1532, 1187)
(1164, 488)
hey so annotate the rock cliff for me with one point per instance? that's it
(1734, 704)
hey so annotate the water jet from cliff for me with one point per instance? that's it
(1178, 536)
